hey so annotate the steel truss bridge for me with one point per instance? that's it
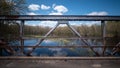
(62, 19)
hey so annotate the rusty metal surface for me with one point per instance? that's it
(62, 46)
(60, 17)
(57, 58)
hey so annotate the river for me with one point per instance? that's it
(59, 51)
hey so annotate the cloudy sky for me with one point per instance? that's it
(72, 7)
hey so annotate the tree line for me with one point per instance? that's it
(112, 29)
(64, 31)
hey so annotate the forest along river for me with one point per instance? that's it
(59, 51)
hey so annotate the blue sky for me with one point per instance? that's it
(73, 7)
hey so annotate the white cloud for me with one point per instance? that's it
(34, 7)
(76, 23)
(59, 51)
(32, 23)
(55, 13)
(44, 7)
(48, 23)
(90, 23)
(55, 49)
(98, 13)
(31, 13)
(60, 8)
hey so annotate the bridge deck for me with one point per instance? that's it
(83, 62)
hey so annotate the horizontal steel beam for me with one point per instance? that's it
(58, 58)
(60, 17)
(60, 38)
(62, 46)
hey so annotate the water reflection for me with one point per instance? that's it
(60, 51)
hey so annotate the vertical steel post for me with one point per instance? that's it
(103, 27)
(21, 36)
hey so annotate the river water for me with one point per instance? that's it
(55, 51)
(59, 51)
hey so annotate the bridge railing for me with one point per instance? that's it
(60, 18)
